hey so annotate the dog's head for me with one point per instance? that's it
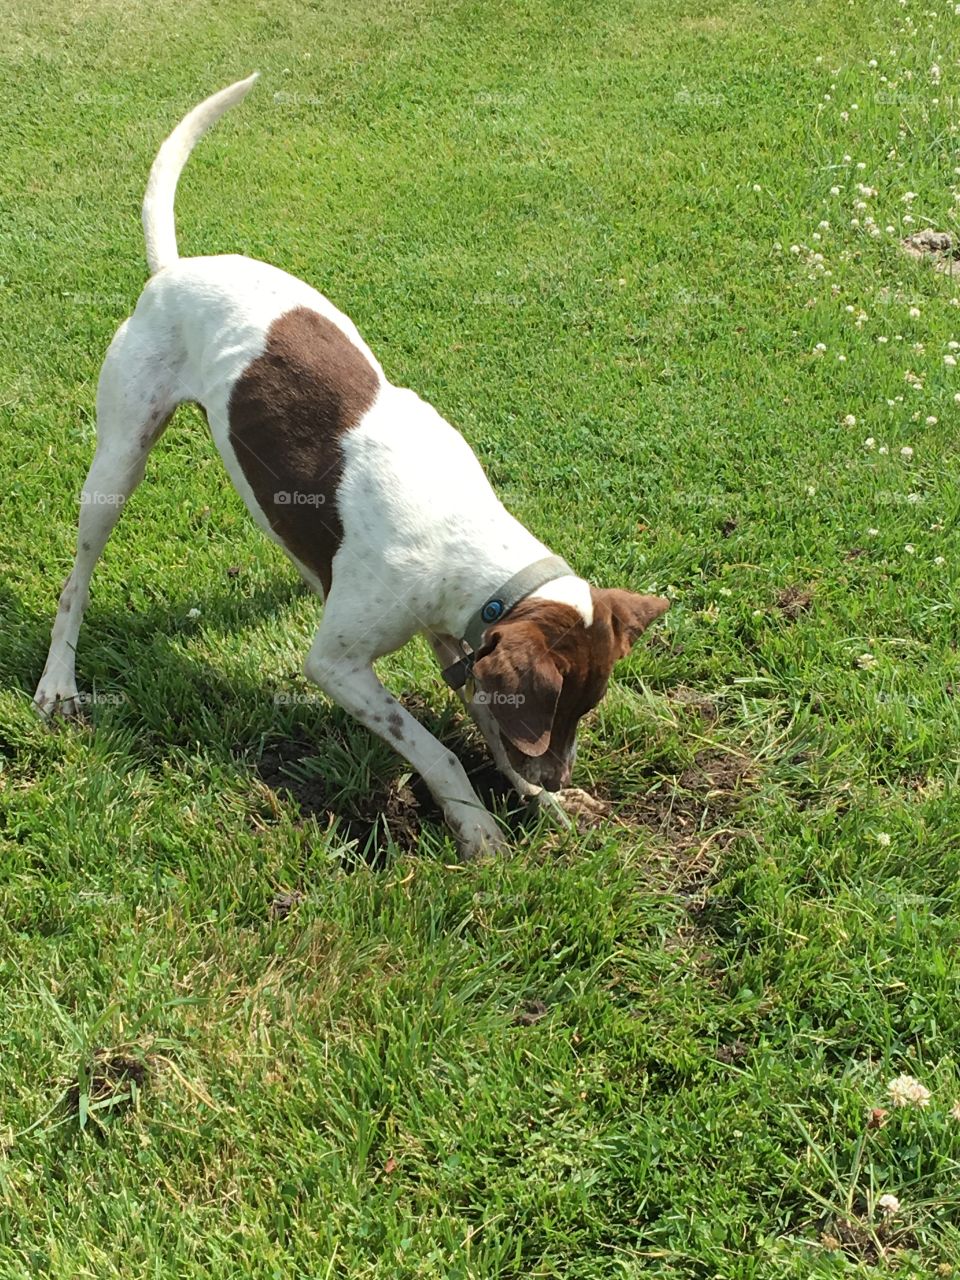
(543, 667)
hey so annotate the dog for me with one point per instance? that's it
(381, 505)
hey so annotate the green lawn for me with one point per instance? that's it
(255, 1021)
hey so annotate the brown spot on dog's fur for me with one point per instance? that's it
(395, 725)
(288, 413)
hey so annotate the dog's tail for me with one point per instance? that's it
(158, 222)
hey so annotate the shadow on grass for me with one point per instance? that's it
(318, 764)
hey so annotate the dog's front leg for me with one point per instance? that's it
(353, 684)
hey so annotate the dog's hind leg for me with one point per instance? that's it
(134, 404)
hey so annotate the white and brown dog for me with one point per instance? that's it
(379, 502)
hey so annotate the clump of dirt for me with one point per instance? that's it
(701, 704)
(937, 247)
(866, 1242)
(794, 601)
(108, 1075)
(731, 1053)
(284, 903)
(530, 1013)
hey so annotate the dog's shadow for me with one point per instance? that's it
(319, 764)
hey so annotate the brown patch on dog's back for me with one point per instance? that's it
(288, 414)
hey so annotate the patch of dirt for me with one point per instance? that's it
(530, 1013)
(694, 700)
(731, 1053)
(108, 1075)
(939, 248)
(284, 903)
(794, 601)
(691, 814)
(865, 1242)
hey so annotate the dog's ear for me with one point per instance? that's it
(629, 614)
(519, 682)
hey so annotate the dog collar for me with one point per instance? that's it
(498, 605)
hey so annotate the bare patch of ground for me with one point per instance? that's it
(939, 248)
(794, 601)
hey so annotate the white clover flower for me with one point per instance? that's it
(909, 548)
(757, 186)
(914, 313)
(824, 225)
(811, 490)
(891, 231)
(794, 248)
(883, 839)
(872, 62)
(906, 453)
(834, 191)
(883, 449)
(861, 166)
(869, 443)
(907, 220)
(844, 116)
(849, 420)
(938, 560)
(949, 361)
(955, 1109)
(842, 358)
(872, 533)
(820, 347)
(906, 1091)
(193, 613)
(953, 346)
(931, 420)
(883, 339)
(889, 1204)
(866, 661)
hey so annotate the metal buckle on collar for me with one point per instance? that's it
(460, 672)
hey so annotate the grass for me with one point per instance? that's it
(253, 1018)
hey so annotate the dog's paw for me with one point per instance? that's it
(477, 832)
(57, 698)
